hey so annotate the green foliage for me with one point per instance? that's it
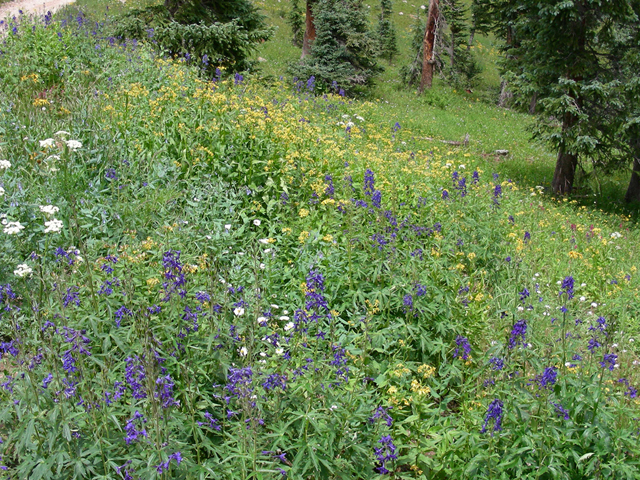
(410, 74)
(344, 51)
(452, 55)
(386, 31)
(296, 21)
(459, 65)
(571, 57)
(212, 34)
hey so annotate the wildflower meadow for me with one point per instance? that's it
(213, 275)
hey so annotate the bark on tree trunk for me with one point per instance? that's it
(309, 31)
(565, 172)
(428, 45)
(504, 94)
(633, 192)
(471, 35)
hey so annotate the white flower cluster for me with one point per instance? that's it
(53, 226)
(22, 270)
(5, 164)
(49, 209)
(12, 228)
(1, 191)
(72, 145)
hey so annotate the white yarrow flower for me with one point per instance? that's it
(73, 145)
(11, 228)
(1, 191)
(238, 311)
(227, 226)
(257, 222)
(53, 226)
(5, 164)
(284, 318)
(22, 270)
(616, 235)
(48, 143)
(62, 133)
(49, 209)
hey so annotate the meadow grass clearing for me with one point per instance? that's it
(232, 277)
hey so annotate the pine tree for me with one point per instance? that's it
(462, 67)
(295, 20)
(342, 56)
(450, 53)
(386, 31)
(214, 33)
(571, 55)
(410, 74)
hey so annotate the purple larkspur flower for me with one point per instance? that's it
(567, 287)
(518, 333)
(382, 413)
(463, 348)
(548, 377)
(609, 361)
(385, 453)
(496, 363)
(133, 433)
(495, 412)
(561, 411)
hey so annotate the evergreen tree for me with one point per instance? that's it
(343, 53)
(571, 56)
(212, 11)
(410, 74)
(462, 67)
(295, 20)
(481, 22)
(214, 33)
(386, 31)
(451, 55)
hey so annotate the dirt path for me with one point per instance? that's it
(31, 6)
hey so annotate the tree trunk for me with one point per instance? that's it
(562, 183)
(565, 172)
(309, 31)
(428, 45)
(504, 94)
(633, 192)
(471, 35)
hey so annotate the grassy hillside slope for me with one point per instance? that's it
(234, 278)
